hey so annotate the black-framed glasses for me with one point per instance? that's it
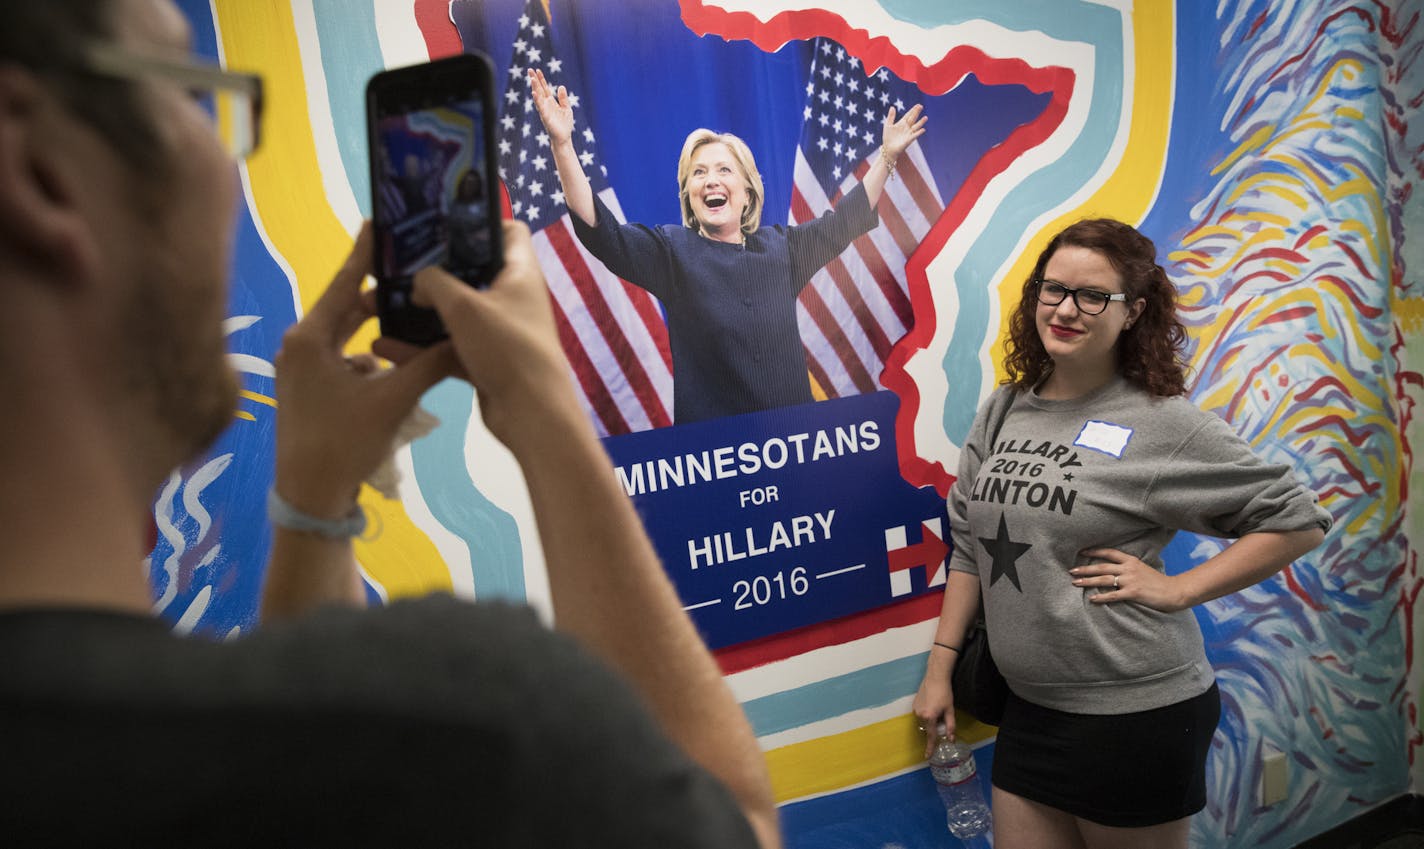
(1089, 301)
(232, 98)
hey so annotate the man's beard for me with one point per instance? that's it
(180, 362)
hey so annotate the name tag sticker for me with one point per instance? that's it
(1104, 437)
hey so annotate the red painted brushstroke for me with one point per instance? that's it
(441, 37)
(936, 78)
(750, 655)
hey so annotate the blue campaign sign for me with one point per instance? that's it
(785, 518)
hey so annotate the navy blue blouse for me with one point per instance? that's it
(731, 309)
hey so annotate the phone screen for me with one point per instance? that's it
(433, 191)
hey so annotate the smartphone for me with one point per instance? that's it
(434, 184)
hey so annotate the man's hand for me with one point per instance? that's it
(337, 415)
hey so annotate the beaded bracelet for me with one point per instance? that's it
(889, 163)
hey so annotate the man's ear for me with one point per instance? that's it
(40, 214)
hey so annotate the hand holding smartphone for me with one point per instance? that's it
(434, 184)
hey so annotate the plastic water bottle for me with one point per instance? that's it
(957, 780)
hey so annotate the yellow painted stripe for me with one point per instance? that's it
(1410, 315)
(286, 183)
(268, 400)
(831, 763)
(1250, 145)
(1127, 193)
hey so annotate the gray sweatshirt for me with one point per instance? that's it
(1115, 468)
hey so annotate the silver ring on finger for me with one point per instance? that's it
(1115, 584)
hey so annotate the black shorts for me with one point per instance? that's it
(1127, 770)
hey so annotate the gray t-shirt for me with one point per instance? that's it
(1119, 469)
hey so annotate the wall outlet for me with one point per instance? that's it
(1273, 778)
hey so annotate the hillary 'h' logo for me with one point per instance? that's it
(904, 557)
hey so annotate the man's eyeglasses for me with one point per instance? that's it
(1089, 301)
(233, 99)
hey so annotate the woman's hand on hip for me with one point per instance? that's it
(1119, 576)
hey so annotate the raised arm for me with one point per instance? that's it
(321, 458)
(895, 137)
(608, 586)
(558, 118)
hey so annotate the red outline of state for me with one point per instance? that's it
(937, 78)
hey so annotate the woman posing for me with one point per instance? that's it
(728, 284)
(1076, 473)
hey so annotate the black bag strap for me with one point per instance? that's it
(1000, 412)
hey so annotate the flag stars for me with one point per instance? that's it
(534, 55)
(824, 119)
(899, 105)
(524, 130)
(540, 163)
(806, 113)
(825, 96)
(543, 139)
(586, 159)
(826, 71)
(822, 143)
(504, 148)
(853, 85)
(507, 121)
(512, 96)
(810, 89)
(839, 101)
(558, 196)
(556, 65)
(588, 135)
(826, 47)
(520, 45)
(538, 30)
(536, 188)
(840, 78)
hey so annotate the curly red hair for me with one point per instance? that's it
(1149, 353)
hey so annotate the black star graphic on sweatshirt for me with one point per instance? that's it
(1004, 551)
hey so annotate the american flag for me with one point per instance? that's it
(857, 307)
(613, 333)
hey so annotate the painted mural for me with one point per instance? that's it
(1271, 149)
